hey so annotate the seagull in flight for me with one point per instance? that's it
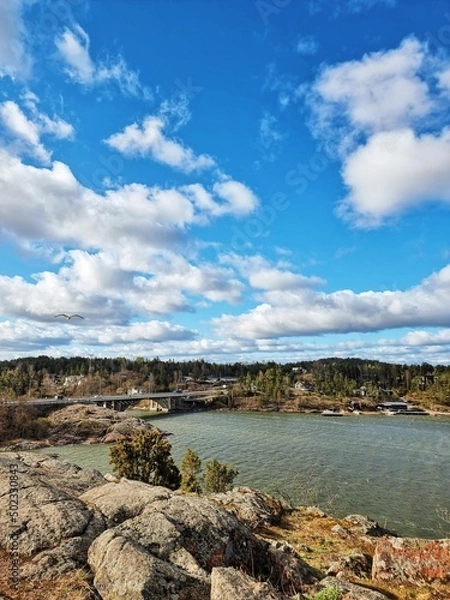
(69, 316)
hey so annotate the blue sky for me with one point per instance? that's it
(228, 180)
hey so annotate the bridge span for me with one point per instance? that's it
(162, 401)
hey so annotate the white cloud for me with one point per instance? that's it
(394, 171)
(283, 85)
(50, 204)
(306, 45)
(128, 238)
(261, 275)
(269, 137)
(26, 133)
(21, 128)
(337, 7)
(73, 47)
(299, 313)
(444, 80)
(14, 60)
(383, 116)
(239, 199)
(175, 111)
(235, 199)
(383, 91)
(149, 140)
(148, 331)
(216, 284)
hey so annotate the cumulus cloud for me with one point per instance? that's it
(238, 199)
(383, 91)
(215, 283)
(126, 262)
(385, 118)
(26, 133)
(149, 331)
(14, 60)
(305, 312)
(50, 204)
(394, 171)
(149, 140)
(73, 47)
(17, 124)
(261, 275)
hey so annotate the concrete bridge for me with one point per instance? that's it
(162, 401)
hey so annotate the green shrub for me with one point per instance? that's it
(329, 593)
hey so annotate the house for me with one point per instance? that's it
(400, 405)
(73, 379)
(134, 391)
(303, 387)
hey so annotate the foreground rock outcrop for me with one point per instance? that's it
(143, 542)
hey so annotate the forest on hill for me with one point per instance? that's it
(335, 377)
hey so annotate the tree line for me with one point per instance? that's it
(338, 377)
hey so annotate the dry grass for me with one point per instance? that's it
(312, 536)
(73, 586)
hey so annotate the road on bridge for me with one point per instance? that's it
(110, 398)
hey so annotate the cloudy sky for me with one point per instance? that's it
(229, 180)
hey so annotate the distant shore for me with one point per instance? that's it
(78, 424)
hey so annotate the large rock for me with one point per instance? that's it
(252, 507)
(232, 584)
(360, 525)
(179, 540)
(123, 500)
(125, 569)
(48, 468)
(50, 528)
(79, 422)
(355, 564)
(412, 560)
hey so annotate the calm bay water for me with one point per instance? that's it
(395, 470)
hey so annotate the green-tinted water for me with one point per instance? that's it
(393, 469)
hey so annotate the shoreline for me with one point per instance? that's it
(122, 425)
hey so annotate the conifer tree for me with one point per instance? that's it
(219, 477)
(146, 458)
(190, 472)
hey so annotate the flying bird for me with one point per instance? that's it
(69, 316)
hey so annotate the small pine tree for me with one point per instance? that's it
(219, 477)
(146, 458)
(190, 472)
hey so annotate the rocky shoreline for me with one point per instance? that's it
(137, 541)
(81, 424)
